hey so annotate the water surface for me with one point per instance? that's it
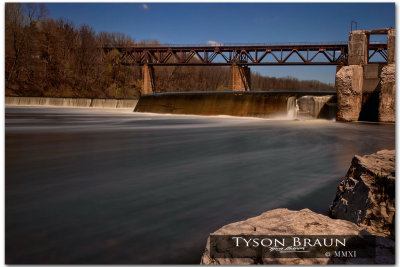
(111, 186)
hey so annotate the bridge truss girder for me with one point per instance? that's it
(327, 54)
(232, 55)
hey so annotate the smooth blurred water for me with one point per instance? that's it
(108, 186)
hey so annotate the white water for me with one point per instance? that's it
(310, 107)
(292, 107)
(71, 102)
(305, 107)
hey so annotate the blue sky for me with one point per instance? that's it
(198, 23)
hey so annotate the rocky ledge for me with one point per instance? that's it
(366, 196)
(363, 205)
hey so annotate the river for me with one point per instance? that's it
(111, 186)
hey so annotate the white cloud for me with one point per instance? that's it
(213, 43)
(145, 6)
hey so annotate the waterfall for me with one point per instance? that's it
(321, 103)
(70, 102)
(316, 107)
(311, 107)
(292, 107)
(104, 103)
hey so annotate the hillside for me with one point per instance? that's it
(48, 57)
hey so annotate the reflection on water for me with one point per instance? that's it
(92, 186)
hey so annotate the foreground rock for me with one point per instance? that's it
(366, 195)
(363, 205)
(303, 222)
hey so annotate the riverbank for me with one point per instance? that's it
(363, 206)
(70, 102)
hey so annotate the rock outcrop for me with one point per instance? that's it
(363, 206)
(366, 195)
(303, 222)
(349, 88)
(386, 112)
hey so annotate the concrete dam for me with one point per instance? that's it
(281, 105)
(71, 102)
(290, 105)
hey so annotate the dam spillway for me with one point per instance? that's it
(266, 104)
(71, 102)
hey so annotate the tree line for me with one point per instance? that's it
(49, 57)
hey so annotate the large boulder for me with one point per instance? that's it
(366, 195)
(349, 88)
(303, 222)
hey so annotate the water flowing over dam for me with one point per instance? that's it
(71, 102)
(292, 105)
(309, 107)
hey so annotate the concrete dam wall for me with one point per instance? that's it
(71, 102)
(246, 104)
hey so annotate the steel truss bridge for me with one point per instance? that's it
(243, 54)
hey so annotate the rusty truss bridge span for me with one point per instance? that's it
(242, 54)
(359, 52)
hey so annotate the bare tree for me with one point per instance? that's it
(47, 57)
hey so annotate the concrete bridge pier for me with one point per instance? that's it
(349, 79)
(148, 80)
(391, 46)
(358, 47)
(240, 78)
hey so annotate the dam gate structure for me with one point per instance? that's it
(364, 86)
